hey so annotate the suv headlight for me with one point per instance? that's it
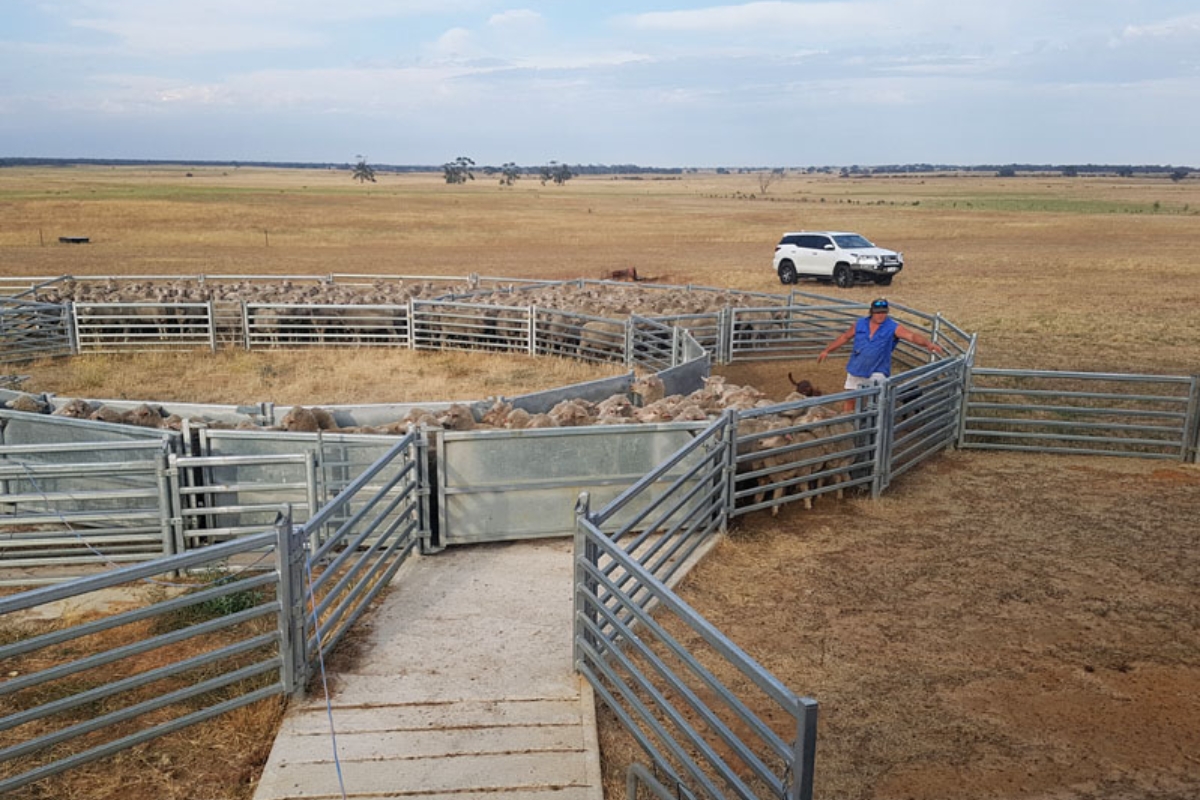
(866, 261)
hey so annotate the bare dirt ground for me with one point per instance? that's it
(997, 625)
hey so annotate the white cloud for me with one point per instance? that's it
(157, 28)
(1187, 25)
(765, 17)
(456, 43)
(521, 18)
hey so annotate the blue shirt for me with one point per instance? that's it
(872, 355)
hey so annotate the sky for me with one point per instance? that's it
(665, 83)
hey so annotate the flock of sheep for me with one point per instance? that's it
(575, 318)
(782, 449)
(597, 299)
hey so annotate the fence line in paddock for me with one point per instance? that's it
(1082, 413)
(796, 325)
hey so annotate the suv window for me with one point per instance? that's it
(852, 241)
(814, 242)
(792, 239)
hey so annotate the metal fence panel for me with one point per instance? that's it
(923, 411)
(142, 327)
(521, 484)
(223, 497)
(70, 515)
(653, 344)
(444, 325)
(270, 325)
(1085, 413)
(30, 330)
(592, 391)
(799, 450)
(365, 534)
(791, 332)
(630, 634)
(338, 458)
(705, 329)
(186, 652)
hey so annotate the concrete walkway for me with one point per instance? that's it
(463, 687)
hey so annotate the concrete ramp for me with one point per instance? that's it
(463, 687)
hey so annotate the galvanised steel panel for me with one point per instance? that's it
(32, 330)
(593, 391)
(763, 334)
(339, 458)
(18, 427)
(377, 413)
(502, 485)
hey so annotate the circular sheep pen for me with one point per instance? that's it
(996, 626)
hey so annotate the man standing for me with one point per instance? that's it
(875, 337)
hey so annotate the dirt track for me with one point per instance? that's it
(996, 626)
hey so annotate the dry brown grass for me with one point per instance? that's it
(996, 626)
(330, 377)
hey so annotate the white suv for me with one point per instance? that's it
(834, 255)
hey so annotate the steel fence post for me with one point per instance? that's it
(311, 498)
(804, 752)
(73, 328)
(412, 323)
(245, 324)
(533, 350)
(968, 365)
(727, 498)
(289, 563)
(164, 469)
(1191, 433)
(935, 334)
(883, 435)
(584, 551)
(68, 318)
(212, 326)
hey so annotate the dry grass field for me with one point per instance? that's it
(996, 626)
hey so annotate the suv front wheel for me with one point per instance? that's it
(787, 272)
(843, 276)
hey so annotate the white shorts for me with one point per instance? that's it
(855, 382)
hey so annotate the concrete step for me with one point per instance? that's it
(511, 750)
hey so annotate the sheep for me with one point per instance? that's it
(307, 420)
(782, 476)
(649, 389)
(517, 419)
(28, 404)
(601, 340)
(616, 407)
(572, 413)
(108, 414)
(496, 415)
(457, 418)
(76, 408)
(837, 462)
(144, 416)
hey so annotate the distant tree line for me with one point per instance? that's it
(1175, 172)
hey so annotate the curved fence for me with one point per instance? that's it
(368, 502)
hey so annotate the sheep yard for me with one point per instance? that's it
(1007, 626)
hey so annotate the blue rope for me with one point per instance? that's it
(337, 763)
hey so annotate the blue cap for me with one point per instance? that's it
(879, 305)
